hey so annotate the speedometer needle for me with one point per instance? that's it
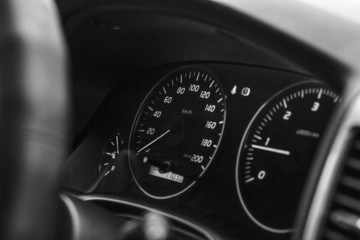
(154, 141)
(269, 149)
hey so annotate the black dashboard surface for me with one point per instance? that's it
(121, 51)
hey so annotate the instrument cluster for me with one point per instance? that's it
(223, 140)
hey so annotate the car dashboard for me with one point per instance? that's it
(185, 117)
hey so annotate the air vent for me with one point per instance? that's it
(343, 219)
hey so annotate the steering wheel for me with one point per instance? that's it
(34, 100)
(34, 107)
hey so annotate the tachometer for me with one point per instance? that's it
(177, 131)
(277, 150)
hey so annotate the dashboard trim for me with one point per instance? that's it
(90, 198)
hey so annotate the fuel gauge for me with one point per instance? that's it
(110, 154)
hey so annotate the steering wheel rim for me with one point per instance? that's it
(34, 117)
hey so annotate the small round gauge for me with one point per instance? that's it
(111, 151)
(177, 132)
(277, 150)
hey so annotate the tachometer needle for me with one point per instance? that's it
(154, 141)
(269, 149)
(117, 145)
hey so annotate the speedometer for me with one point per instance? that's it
(177, 131)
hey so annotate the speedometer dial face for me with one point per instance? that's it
(277, 150)
(177, 132)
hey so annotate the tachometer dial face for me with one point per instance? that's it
(177, 132)
(277, 150)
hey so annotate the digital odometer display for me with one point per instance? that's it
(177, 131)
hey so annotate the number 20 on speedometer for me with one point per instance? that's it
(177, 131)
